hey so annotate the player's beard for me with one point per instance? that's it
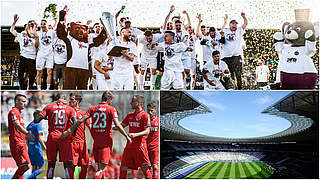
(127, 38)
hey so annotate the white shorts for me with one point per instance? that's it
(193, 66)
(103, 84)
(120, 81)
(186, 63)
(43, 62)
(152, 63)
(136, 61)
(172, 78)
(218, 86)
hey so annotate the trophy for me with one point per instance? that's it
(108, 25)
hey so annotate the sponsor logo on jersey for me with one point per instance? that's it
(134, 124)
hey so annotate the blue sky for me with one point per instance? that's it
(236, 114)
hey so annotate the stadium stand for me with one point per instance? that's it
(292, 153)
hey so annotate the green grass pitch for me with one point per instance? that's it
(231, 170)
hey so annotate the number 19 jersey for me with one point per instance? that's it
(101, 130)
(59, 117)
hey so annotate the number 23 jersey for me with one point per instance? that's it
(101, 116)
(59, 116)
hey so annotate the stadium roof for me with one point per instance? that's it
(299, 108)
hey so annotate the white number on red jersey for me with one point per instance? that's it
(60, 116)
(97, 117)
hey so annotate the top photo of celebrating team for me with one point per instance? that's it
(167, 45)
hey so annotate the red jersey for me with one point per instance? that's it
(80, 133)
(59, 117)
(16, 136)
(102, 116)
(137, 121)
(153, 137)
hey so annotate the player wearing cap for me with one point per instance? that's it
(233, 48)
(17, 134)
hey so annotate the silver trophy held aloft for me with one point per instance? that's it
(107, 20)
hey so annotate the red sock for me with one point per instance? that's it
(19, 173)
(69, 172)
(155, 174)
(147, 174)
(134, 173)
(123, 174)
(83, 173)
(50, 172)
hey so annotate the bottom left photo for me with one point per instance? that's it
(79, 134)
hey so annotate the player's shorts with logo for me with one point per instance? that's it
(134, 157)
(19, 154)
(80, 154)
(172, 78)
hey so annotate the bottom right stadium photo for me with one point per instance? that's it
(239, 134)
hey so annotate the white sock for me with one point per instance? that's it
(141, 82)
(153, 80)
(38, 87)
(48, 86)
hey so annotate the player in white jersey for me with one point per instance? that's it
(149, 55)
(211, 42)
(122, 75)
(45, 54)
(233, 48)
(173, 66)
(192, 42)
(59, 58)
(28, 42)
(262, 74)
(95, 53)
(216, 74)
(182, 35)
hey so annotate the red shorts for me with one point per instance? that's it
(102, 154)
(64, 149)
(19, 153)
(80, 154)
(134, 157)
(154, 156)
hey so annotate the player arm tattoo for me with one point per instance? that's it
(198, 33)
(245, 20)
(164, 26)
(74, 126)
(205, 77)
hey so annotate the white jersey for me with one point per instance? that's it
(45, 43)
(59, 50)
(173, 55)
(80, 52)
(147, 52)
(135, 33)
(121, 64)
(103, 58)
(27, 48)
(214, 73)
(192, 44)
(296, 59)
(180, 37)
(262, 73)
(212, 44)
(233, 44)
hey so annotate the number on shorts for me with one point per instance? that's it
(60, 116)
(101, 116)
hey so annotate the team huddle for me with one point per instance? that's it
(66, 135)
(76, 59)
